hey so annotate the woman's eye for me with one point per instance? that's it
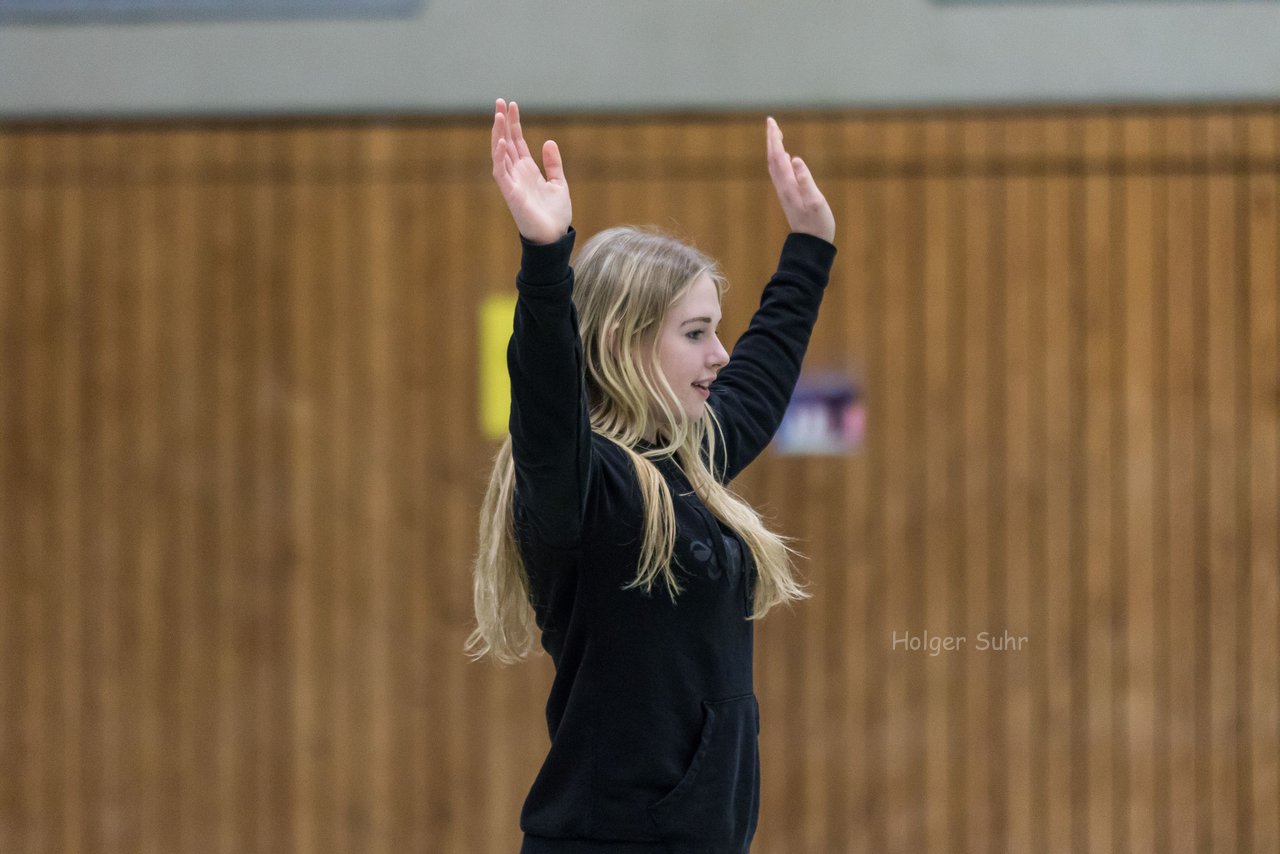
(695, 335)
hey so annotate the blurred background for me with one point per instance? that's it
(244, 257)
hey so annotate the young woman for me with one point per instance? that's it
(608, 527)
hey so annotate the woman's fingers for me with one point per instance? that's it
(502, 131)
(501, 134)
(509, 146)
(790, 174)
(502, 166)
(775, 154)
(805, 207)
(539, 205)
(501, 153)
(494, 134)
(521, 148)
(773, 137)
(551, 161)
(781, 168)
(507, 143)
(804, 178)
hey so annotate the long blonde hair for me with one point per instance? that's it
(625, 280)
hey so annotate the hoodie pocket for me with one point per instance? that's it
(719, 795)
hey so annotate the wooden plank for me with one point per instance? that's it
(1156, 137)
(855, 287)
(1140, 261)
(1021, 349)
(269, 215)
(902, 519)
(382, 247)
(417, 799)
(163, 270)
(1099, 470)
(1262, 130)
(25, 539)
(145, 255)
(299, 489)
(1180, 270)
(316, 318)
(869, 830)
(984, 760)
(1222, 507)
(10, 674)
(456, 423)
(1061, 628)
(25, 613)
(99, 574)
(938, 237)
(63, 805)
(276, 685)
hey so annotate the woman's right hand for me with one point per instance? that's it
(540, 206)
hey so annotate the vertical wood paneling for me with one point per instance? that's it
(11, 347)
(240, 466)
(188, 807)
(19, 445)
(236, 238)
(145, 256)
(1225, 534)
(940, 380)
(276, 394)
(35, 317)
(63, 521)
(1100, 450)
(107, 578)
(878, 618)
(983, 748)
(456, 426)
(302, 296)
(412, 674)
(1161, 559)
(1181, 463)
(1263, 142)
(1059, 474)
(34, 546)
(902, 523)
(1139, 265)
(852, 803)
(1020, 353)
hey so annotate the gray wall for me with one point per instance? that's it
(595, 54)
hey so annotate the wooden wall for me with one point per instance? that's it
(240, 465)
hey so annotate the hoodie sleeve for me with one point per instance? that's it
(750, 395)
(550, 430)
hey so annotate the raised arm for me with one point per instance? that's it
(550, 432)
(750, 395)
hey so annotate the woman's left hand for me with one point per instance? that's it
(806, 208)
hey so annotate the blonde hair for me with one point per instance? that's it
(625, 280)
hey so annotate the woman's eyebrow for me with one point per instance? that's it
(697, 320)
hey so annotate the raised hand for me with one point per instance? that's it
(806, 209)
(540, 206)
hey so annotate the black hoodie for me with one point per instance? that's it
(653, 721)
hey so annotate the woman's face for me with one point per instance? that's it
(689, 352)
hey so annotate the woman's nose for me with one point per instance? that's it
(719, 356)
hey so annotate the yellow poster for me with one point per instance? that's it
(496, 315)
